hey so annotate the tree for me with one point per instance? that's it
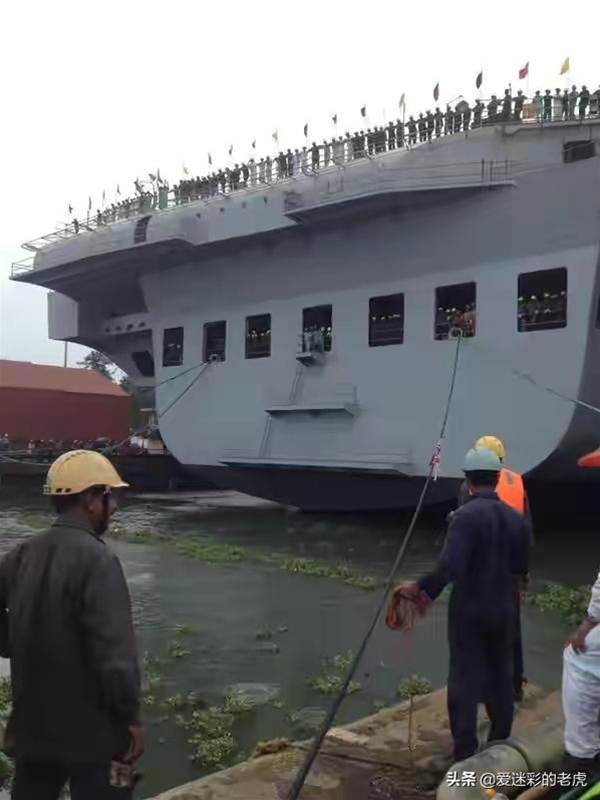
(98, 362)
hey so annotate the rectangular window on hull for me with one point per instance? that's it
(258, 336)
(455, 308)
(542, 303)
(578, 150)
(144, 362)
(215, 338)
(386, 320)
(172, 347)
(317, 328)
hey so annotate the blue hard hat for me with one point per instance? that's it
(480, 459)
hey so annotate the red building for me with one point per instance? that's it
(41, 402)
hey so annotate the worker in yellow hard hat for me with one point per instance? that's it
(65, 624)
(510, 490)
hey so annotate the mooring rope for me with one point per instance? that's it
(300, 779)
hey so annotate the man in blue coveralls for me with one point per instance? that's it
(485, 554)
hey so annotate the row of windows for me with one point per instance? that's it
(542, 305)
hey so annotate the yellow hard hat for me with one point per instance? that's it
(78, 470)
(492, 443)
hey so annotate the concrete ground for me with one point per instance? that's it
(392, 755)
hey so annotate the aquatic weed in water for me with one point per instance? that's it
(333, 674)
(571, 604)
(176, 650)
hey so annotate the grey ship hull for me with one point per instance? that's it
(356, 431)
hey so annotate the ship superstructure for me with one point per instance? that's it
(307, 324)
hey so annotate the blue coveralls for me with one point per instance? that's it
(486, 547)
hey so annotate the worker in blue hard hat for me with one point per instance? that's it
(510, 490)
(485, 554)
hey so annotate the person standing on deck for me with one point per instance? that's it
(65, 624)
(547, 106)
(573, 97)
(510, 490)
(485, 553)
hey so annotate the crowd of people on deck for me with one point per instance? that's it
(562, 105)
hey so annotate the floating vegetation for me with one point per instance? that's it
(270, 746)
(211, 739)
(7, 766)
(179, 702)
(278, 704)
(177, 650)
(5, 697)
(414, 686)
(183, 630)
(333, 674)
(571, 604)
(306, 566)
(210, 551)
(379, 705)
(213, 551)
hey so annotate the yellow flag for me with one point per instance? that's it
(402, 101)
(566, 66)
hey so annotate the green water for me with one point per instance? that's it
(252, 622)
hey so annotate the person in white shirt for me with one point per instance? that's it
(581, 686)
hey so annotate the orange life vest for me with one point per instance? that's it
(510, 490)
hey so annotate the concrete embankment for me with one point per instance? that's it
(388, 756)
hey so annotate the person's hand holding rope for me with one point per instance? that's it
(408, 603)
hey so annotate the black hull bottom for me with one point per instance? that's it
(330, 490)
(338, 491)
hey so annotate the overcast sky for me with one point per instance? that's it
(97, 94)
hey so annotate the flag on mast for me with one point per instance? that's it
(209, 161)
(306, 130)
(402, 101)
(566, 66)
(363, 111)
(524, 71)
(479, 80)
(118, 189)
(275, 136)
(254, 144)
(436, 92)
(70, 209)
(103, 196)
(89, 203)
(334, 119)
(230, 151)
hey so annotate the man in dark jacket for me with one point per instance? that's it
(65, 624)
(485, 554)
(511, 491)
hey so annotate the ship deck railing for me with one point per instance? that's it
(164, 200)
